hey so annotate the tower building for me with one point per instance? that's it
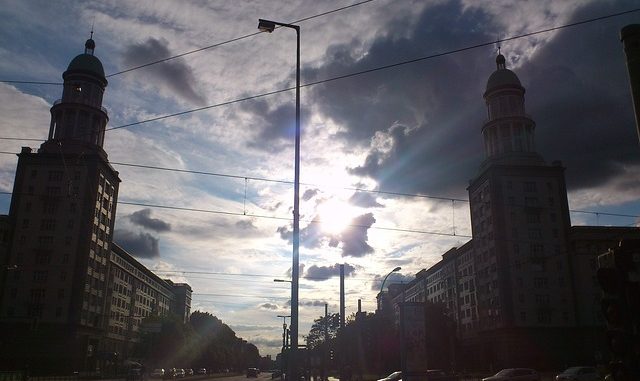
(62, 212)
(520, 223)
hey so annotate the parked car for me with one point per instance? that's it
(276, 374)
(202, 371)
(579, 373)
(157, 373)
(514, 374)
(395, 376)
(429, 375)
(252, 372)
(440, 375)
(188, 372)
(180, 373)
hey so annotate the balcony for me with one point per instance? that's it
(59, 101)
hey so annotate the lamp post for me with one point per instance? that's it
(284, 342)
(383, 282)
(269, 26)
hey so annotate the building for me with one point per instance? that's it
(523, 291)
(69, 293)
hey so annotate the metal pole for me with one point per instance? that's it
(342, 346)
(269, 26)
(295, 271)
(326, 342)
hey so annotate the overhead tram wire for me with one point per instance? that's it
(196, 50)
(375, 69)
(379, 68)
(315, 185)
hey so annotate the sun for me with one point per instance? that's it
(335, 215)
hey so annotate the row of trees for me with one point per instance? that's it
(204, 342)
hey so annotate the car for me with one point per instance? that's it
(157, 373)
(134, 374)
(395, 376)
(439, 375)
(579, 373)
(514, 374)
(276, 373)
(202, 371)
(252, 372)
(180, 373)
(188, 372)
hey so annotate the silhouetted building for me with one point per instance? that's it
(523, 291)
(67, 286)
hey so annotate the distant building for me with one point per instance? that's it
(68, 292)
(182, 302)
(523, 291)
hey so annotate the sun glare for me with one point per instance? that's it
(335, 215)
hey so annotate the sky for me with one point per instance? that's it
(392, 111)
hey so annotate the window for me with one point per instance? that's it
(542, 300)
(529, 186)
(531, 201)
(55, 175)
(48, 224)
(533, 216)
(49, 207)
(540, 282)
(40, 276)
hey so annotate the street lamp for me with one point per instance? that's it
(383, 282)
(282, 281)
(269, 26)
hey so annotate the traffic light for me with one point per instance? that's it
(619, 277)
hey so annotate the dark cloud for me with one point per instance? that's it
(322, 273)
(139, 245)
(309, 303)
(396, 277)
(275, 125)
(309, 194)
(143, 218)
(578, 94)
(354, 237)
(419, 113)
(246, 225)
(175, 74)
(313, 303)
(426, 117)
(269, 306)
(365, 200)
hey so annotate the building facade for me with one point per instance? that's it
(523, 292)
(66, 286)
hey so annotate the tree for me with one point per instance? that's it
(316, 334)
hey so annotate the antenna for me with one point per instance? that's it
(92, 24)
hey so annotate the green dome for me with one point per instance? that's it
(86, 63)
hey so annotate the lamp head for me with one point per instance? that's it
(397, 269)
(266, 25)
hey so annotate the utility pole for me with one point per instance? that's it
(342, 346)
(323, 373)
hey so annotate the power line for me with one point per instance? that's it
(199, 49)
(379, 68)
(442, 198)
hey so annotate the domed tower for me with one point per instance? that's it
(520, 226)
(78, 120)
(63, 210)
(509, 131)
